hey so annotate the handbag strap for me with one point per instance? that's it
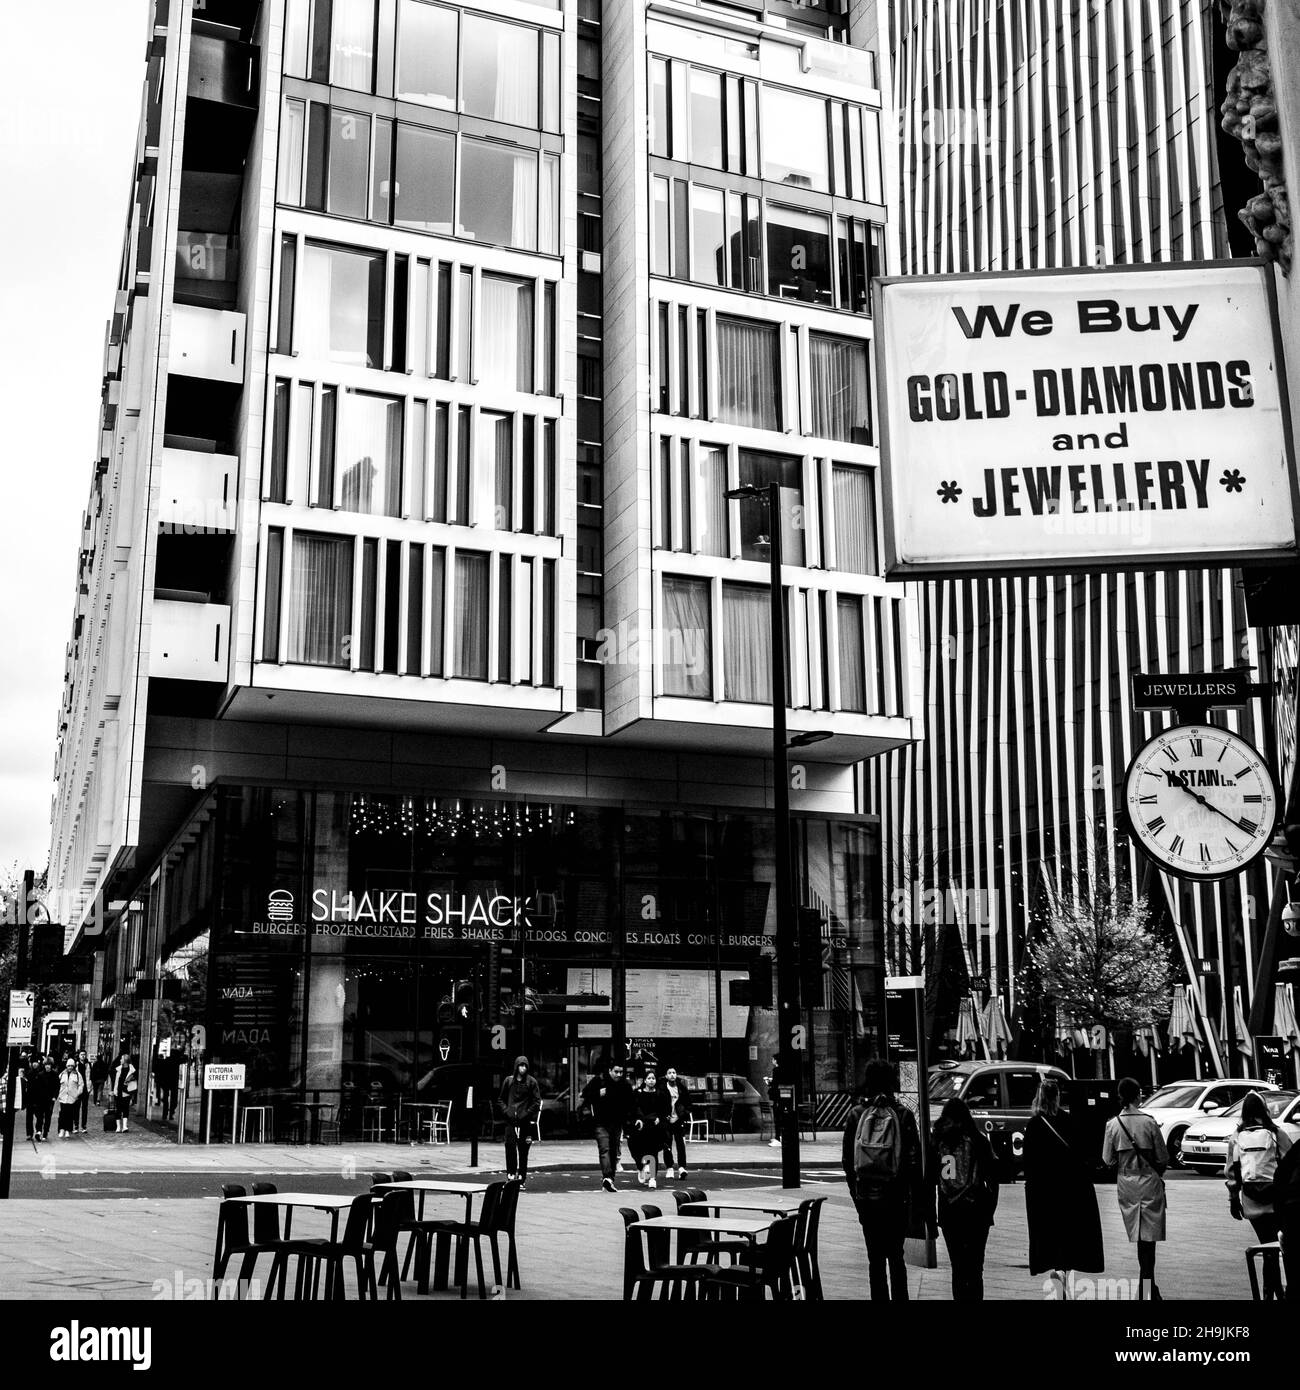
(1148, 1161)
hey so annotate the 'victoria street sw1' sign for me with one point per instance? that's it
(1077, 420)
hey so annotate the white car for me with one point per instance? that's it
(1205, 1145)
(1183, 1103)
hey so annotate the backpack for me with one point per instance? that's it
(957, 1170)
(1257, 1151)
(878, 1146)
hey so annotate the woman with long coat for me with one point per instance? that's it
(1134, 1143)
(1060, 1203)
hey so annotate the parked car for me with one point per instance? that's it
(1205, 1142)
(1181, 1104)
(999, 1095)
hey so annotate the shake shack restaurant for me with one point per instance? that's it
(359, 949)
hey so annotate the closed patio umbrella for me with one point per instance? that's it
(1181, 1028)
(1245, 1043)
(1284, 1021)
(996, 1032)
(1147, 1042)
(968, 1034)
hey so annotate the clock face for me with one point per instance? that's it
(1201, 801)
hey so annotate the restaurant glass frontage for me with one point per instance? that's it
(367, 948)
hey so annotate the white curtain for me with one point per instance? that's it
(523, 206)
(292, 132)
(746, 643)
(853, 671)
(749, 374)
(686, 646)
(839, 387)
(549, 204)
(500, 63)
(320, 599)
(471, 617)
(354, 45)
(370, 454)
(505, 341)
(711, 500)
(855, 521)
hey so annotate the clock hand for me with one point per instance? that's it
(1210, 806)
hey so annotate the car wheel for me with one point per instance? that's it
(1175, 1146)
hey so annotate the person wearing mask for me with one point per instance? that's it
(609, 1096)
(70, 1089)
(646, 1130)
(99, 1070)
(1134, 1143)
(521, 1100)
(963, 1181)
(675, 1115)
(125, 1085)
(882, 1167)
(1255, 1152)
(83, 1105)
(1060, 1201)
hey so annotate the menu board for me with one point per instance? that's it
(668, 1003)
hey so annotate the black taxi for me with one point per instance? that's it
(999, 1096)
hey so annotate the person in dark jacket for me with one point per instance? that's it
(1255, 1153)
(28, 1090)
(1286, 1203)
(83, 1104)
(521, 1099)
(609, 1095)
(645, 1132)
(882, 1167)
(45, 1088)
(98, 1074)
(1060, 1203)
(126, 1084)
(675, 1115)
(963, 1178)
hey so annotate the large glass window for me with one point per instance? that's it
(853, 667)
(320, 599)
(686, 641)
(341, 307)
(370, 454)
(746, 643)
(660, 228)
(349, 163)
(425, 178)
(426, 54)
(470, 617)
(352, 62)
(853, 496)
(711, 500)
(499, 71)
(762, 469)
(293, 130)
(505, 336)
(749, 373)
(498, 195)
(493, 487)
(799, 255)
(706, 117)
(708, 237)
(659, 130)
(794, 139)
(841, 405)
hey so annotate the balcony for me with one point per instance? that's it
(198, 492)
(223, 71)
(207, 343)
(190, 639)
(207, 268)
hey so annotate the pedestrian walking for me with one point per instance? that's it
(166, 1072)
(83, 1104)
(1060, 1200)
(963, 1183)
(1286, 1203)
(774, 1083)
(675, 1115)
(99, 1070)
(646, 1130)
(521, 1100)
(1133, 1142)
(46, 1085)
(609, 1096)
(882, 1167)
(125, 1085)
(26, 1093)
(1255, 1152)
(70, 1089)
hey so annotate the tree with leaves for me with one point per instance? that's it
(1098, 957)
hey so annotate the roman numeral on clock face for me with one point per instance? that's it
(1170, 754)
(1177, 846)
(1157, 825)
(1249, 826)
(1205, 854)
(1197, 746)
(1147, 800)
(1253, 799)
(1242, 772)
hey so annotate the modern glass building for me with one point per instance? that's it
(417, 699)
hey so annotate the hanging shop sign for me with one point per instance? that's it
(1085, 420)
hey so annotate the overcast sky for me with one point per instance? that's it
(69, 104)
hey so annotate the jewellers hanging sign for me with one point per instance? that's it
(1083, 420)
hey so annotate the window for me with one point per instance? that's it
(352, 61)
(984, 1092)
(349, 164)
(425, 178)
(415, 611)
(853, 495)
(799, 256)
(499, 76)
(762, 469)
(320, 600)
(493, 483)
(342, 307)
(295, 38)
(417, 461)
(686, 648)
(292, 132)
(853, 668)
(381, 192)
(708, 237)
(749, 373)
(746, 643)
(288, 279)
(659, 128)
(437, 607)
(794, 139)
(743, 241)
(1022, 1087)
(370, 454)
(274, 581)
(706, 117)
(498, 195)
(711, 499)
(470, 617)
(278, 476)
(841, 405)
(505, 333)
(660, 229)
(300, 443)
(329, 407)
(549, 206)
(855, 264)
(426, 54)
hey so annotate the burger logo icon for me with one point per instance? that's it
(279, 906)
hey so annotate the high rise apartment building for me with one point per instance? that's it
(1032, 136)
(417, 698)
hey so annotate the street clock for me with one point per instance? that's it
(1201, 801)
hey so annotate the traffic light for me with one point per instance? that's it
(760, 983)
(466, 1001)
(811, 968)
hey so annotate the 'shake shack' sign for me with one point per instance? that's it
(1084, 419)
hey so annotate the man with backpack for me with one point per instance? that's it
(882, 1167)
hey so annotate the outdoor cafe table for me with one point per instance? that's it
(419, 1106)
(291, 1201)
(747, 1226)
(313, 1109)
(467, 1190)
(777, 1206)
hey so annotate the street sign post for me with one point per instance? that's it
(224, 1076)
(22, 1017)
(905, 1034)
(20, 979)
